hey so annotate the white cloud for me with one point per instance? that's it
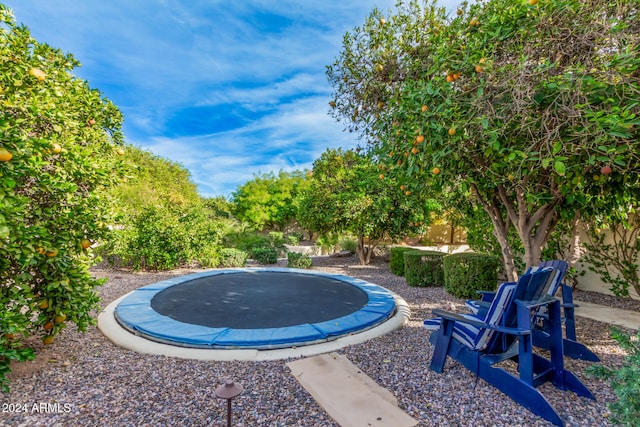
(161, 60)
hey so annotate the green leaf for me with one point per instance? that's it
(559, 167)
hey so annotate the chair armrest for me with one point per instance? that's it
(545, 300)
(448, 315)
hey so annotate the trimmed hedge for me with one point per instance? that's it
(423, 268)
(396, 259)
(231, 257)
(265, 255)
(298, 260)
(467, 273)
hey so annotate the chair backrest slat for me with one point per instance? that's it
(503, 310)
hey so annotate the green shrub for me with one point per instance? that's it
(396, 259)
(298, 260)
(327, 242)
(348, 244)
(165, 237)
(423, 268)
(265, 255)
(232, 257)
(625, 381)
(294, 238)
(467, 273)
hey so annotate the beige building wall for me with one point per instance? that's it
(591, 281)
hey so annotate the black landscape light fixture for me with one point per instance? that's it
(228, 391)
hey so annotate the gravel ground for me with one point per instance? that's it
(85, 380)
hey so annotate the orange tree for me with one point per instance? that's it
(348, 193)
(59, 149)
(529, 109)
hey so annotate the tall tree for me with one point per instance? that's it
(60, 149)
(529, 108)
(347, 193)
(269, 200)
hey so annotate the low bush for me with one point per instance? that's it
(625, 380)
(232, 257)
(348, 244)
(396, 259)
(423, 268)
(265, 255)
(294, 238)
(165, 237)
(467, 273)
(298, 260)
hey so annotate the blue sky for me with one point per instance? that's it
(226, 88)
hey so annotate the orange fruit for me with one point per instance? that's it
(60, 318)
(449, 78)
(48, 339)
(407, 193)
(420, 139)
(332, 104)
(120, 152)
(533, 2)
(5, 155)
(402, 187)
(414, 150)
(91, 122)
(424, 108)
(85, 243)
(52, 253)
(479, 69)
(380, 104)
(48, 326)
(56, 148)
(435, 170)
(381, 176)
(452, 131)
(482, 60)
(44, 304)
(40, 250)
(38, 74)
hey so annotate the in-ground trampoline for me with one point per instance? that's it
(255, 308)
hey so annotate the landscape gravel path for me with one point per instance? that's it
(85, 380)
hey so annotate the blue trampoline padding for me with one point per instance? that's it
(135, 313)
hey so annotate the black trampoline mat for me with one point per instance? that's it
(256, 300)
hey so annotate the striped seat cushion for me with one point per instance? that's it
(480, 307)
(472, 336)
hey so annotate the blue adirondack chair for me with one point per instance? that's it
(572, 348)
(506, 334)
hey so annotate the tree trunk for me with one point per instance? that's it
(500, 230)
(362, 251)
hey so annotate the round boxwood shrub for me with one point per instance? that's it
(231, 257)
(396, 259)
(423, 268)
(265, 255)
(466, 273)
(298, 260)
